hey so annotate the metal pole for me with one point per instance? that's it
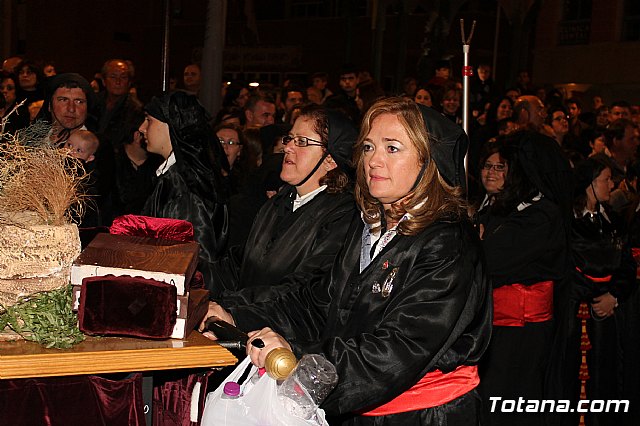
(467, 72)
(165, 45)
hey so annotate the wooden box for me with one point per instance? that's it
(169, 261)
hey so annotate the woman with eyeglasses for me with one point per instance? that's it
(404, 314)
(188, 183)
(523, 232)
(298, 231)
(231, 139)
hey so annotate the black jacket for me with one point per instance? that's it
(172, 197)
(437, 316)
(526, 246)
(284, 247)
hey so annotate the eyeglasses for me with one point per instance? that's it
(301, 141)
(561, 118)
(8, 87)
(230, 142)
(498, 167)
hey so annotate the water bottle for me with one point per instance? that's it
(308, 385)
(231, 390)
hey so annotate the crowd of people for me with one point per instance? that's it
(344, 223)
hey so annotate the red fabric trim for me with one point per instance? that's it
(605, 279)
(152, 227)
(516, 304)
(435, 388)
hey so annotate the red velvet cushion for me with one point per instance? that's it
(128, 306)
(152, 227)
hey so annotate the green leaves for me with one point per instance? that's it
(46, 318)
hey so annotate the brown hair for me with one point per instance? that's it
(432, 198)
(336, 180)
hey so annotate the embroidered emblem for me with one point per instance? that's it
(387, 286)
(375, 288)
(385, 265)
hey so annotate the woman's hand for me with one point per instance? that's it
(215, 310)
(604, 305)
(271, 339)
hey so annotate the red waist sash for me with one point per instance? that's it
(435, 388)
(516, 304)
(604, 279)
(635, 251)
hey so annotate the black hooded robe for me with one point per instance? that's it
(437, 316)
(190, 189)
(284, 245)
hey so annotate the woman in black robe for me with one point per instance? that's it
(188, 182)
(406, 304)
(587, 356)
(299, 231)
(523, 231)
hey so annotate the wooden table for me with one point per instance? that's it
(21, 359)
(111, 355)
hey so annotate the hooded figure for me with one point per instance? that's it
(189, 185)
(591, 330)
(299, 231)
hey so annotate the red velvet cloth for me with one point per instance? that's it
(127, 306)
(516, 304)
(172, 395)
(152, 227)
(435, 388)
(75, 400)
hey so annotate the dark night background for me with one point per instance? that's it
(587, 46)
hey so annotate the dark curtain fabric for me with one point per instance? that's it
(75, 400)
(172, 395)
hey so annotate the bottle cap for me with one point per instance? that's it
(231, 389)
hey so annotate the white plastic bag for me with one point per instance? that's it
(258, 404)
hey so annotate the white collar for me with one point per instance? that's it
(164, 167)
(587, 212)
(524, 205)
(304, 199)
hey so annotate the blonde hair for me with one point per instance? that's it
(88, 137)
(431, 198)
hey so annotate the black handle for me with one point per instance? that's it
(230, 336)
